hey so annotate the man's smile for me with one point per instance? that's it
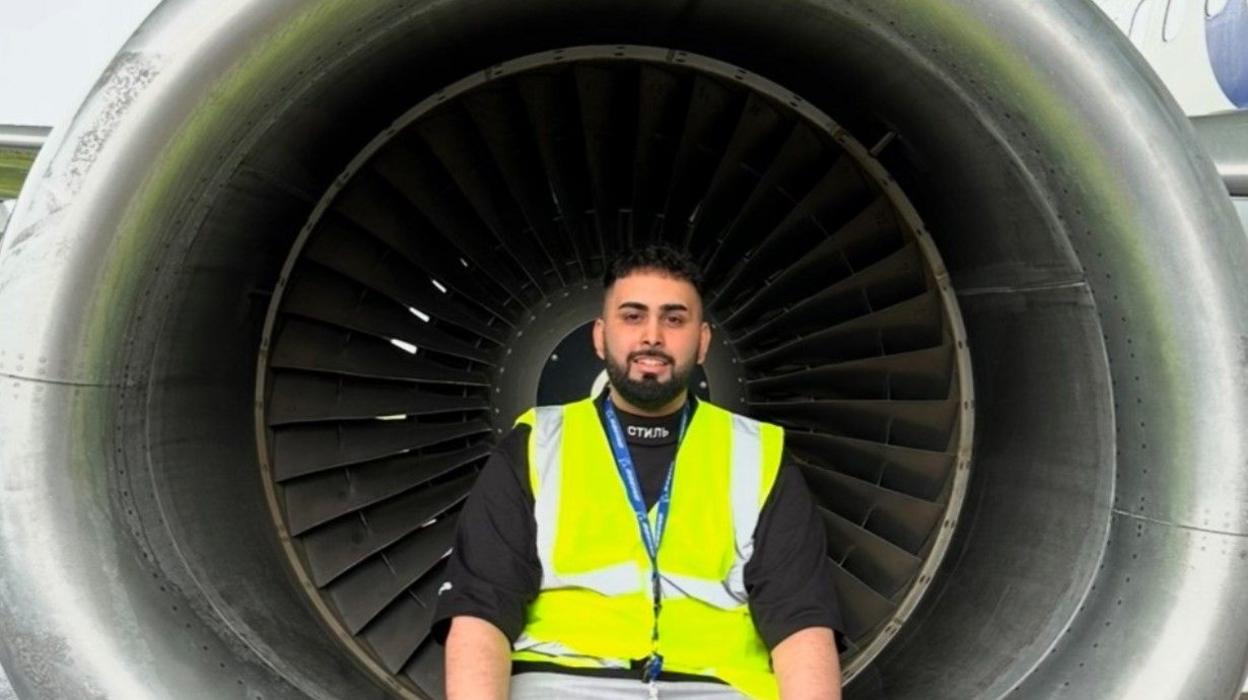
(650, 363)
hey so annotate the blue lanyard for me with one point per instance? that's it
(650, 537)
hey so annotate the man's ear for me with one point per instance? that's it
(600, 345)
(704, 342)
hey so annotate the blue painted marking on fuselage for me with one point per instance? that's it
(1226, 37)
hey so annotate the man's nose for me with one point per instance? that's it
(652, 333)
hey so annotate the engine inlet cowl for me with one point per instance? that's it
(257, 298)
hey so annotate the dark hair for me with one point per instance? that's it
(657, 257)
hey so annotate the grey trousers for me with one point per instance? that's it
(562, 686)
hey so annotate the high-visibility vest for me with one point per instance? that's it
(595, 608)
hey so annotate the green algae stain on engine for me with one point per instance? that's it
(14, 164)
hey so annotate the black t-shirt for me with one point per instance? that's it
(494, 572)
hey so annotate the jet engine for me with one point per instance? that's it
(270, 297)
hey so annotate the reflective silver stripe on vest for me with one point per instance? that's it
(714, 593)
(547, 440)
(547, 435)
(747, 484)
(556, 650)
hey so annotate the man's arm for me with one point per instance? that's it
(793, 602)
(478, 660)
(492, 574)
(807, 665)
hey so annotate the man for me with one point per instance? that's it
(641, 541)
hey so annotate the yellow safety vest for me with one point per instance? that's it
(594, 608)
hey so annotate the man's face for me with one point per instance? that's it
(651, 336)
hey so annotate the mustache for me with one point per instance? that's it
(651, 353)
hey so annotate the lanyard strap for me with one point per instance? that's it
(650, 537)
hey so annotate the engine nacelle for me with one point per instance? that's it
(268, 299)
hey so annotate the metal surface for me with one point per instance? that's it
(1094, 255)
(1225, 138)
(18, 146)
(24, 138)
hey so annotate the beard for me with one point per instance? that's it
(648, 393)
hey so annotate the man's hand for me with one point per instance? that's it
(478, 660)
(807, 665)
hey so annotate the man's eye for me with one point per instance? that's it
(675, 320)
(632, 317)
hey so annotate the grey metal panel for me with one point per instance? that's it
(1031, 535)
(22, 137)
(1241, 208)
(1225, 138)
(1166, 603)
(6, 688)
(1170, 307)
(90, 598)
(90, 170)
(100, 526)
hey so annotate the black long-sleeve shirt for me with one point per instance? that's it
(494, 571)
